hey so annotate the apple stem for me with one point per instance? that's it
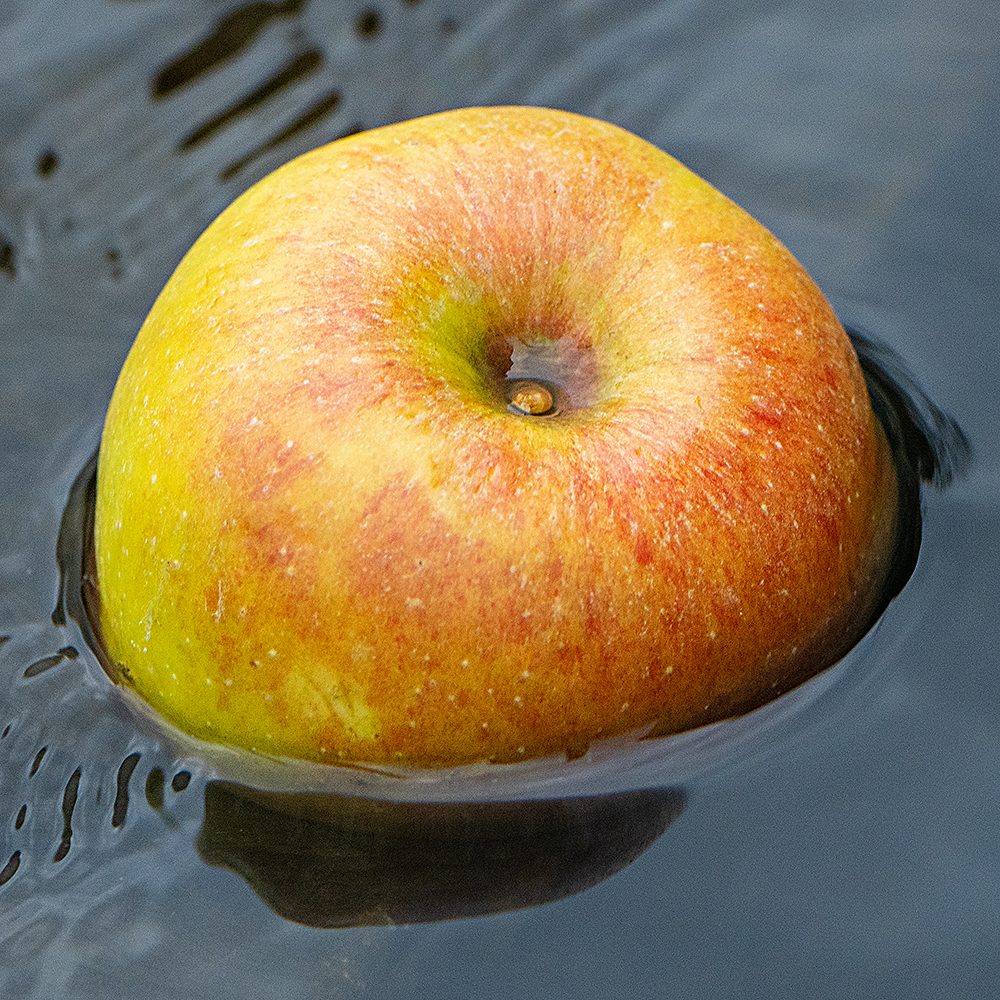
(531, 399)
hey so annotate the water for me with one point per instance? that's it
(843, 849)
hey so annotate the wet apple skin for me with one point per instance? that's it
(320, 534)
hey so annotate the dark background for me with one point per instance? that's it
(854, 853)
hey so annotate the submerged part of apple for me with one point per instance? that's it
(481, 437)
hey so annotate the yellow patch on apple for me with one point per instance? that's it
(482, 437)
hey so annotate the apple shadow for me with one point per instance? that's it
(340, 861)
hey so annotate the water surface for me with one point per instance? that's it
(849, 850)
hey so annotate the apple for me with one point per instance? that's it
(481, 437)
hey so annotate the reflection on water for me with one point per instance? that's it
(343, 861)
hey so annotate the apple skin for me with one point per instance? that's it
(321, 533)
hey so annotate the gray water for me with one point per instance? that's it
(849, 849)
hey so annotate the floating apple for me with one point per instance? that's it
(481, 437)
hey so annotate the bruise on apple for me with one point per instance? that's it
(321, 532)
